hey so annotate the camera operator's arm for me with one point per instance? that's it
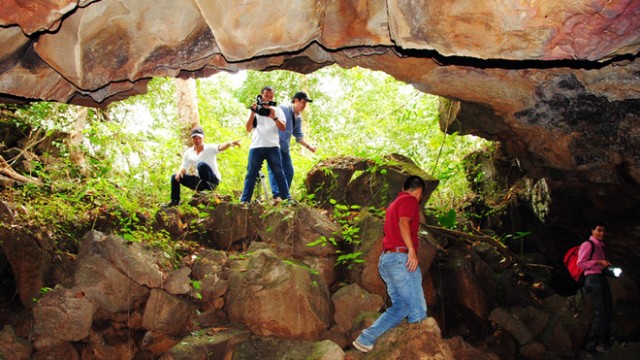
(279, 119)
(249, 124)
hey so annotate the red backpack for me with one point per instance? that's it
(571, 262)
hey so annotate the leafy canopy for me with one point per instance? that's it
(134, 147)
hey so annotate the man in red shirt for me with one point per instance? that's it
(398, 264)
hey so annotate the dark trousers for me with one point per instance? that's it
(206, 181)
(287, 168)
(597, 287)
(257, 156)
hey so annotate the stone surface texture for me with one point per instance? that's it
(556, 82)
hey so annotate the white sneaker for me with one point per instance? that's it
(361, 347)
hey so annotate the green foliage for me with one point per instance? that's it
(43, 291)
(344, 215)
(195, 285)
(447, 219)
(134, 146)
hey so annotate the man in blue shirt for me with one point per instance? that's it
(293, 127)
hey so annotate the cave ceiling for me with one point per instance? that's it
(556, 82)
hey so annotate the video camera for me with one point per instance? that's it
(260, 109)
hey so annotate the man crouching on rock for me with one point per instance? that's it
(199, 169)
(398, 264)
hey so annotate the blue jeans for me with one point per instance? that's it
(206, 181)
(257, 156)
(407, 298)
(287, 168)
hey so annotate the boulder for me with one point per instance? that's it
(207, 345)
(109, 343)
(328, 179)
(255, 298)
(293, 231)
(13, 347)
(210, 270)
(6, 213)
(212, 291)
(230, 223)
(178, 282)
(325, 267)
(533, 318)
(420, 340)
(349, 301)
(383, 179)
(106, 286)
(29, 261)
(464, 285)
(378, 183)
(513, 325)
(157, 343)
(61, 351)
(276, 349)
(164, 313)
(209, 262)
(366, 273)
(171, 220)
(62, 315)
(462, 350)
(131, 258)
(566, 330)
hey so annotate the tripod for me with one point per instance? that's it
(262, 190)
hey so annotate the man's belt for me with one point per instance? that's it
(396, 249)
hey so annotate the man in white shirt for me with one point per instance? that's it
(264, 124)
(199, 169)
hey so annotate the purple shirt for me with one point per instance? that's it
(589, 265)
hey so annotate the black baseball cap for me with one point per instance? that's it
(197, 131)
(301, 95)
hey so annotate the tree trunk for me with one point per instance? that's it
(76, 137)
(187, 106)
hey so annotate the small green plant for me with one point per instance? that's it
(344, 215)
(43, 291)
(195, 285)
(323, 241)
(447, 219)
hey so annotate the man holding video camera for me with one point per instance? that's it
(264, 122)
(592, 260)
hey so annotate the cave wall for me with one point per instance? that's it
(558, 83)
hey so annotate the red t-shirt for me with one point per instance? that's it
(405, 205)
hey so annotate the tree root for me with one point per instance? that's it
(6, 170)
(471, 238)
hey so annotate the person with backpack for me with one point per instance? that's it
(591, 260)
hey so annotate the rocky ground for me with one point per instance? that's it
(265, 285)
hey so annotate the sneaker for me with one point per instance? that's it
(171, 204)
(601, 348)
(362, 347)
(291, 202)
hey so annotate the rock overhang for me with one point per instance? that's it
(537, 76)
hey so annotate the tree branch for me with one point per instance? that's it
(7, 171)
